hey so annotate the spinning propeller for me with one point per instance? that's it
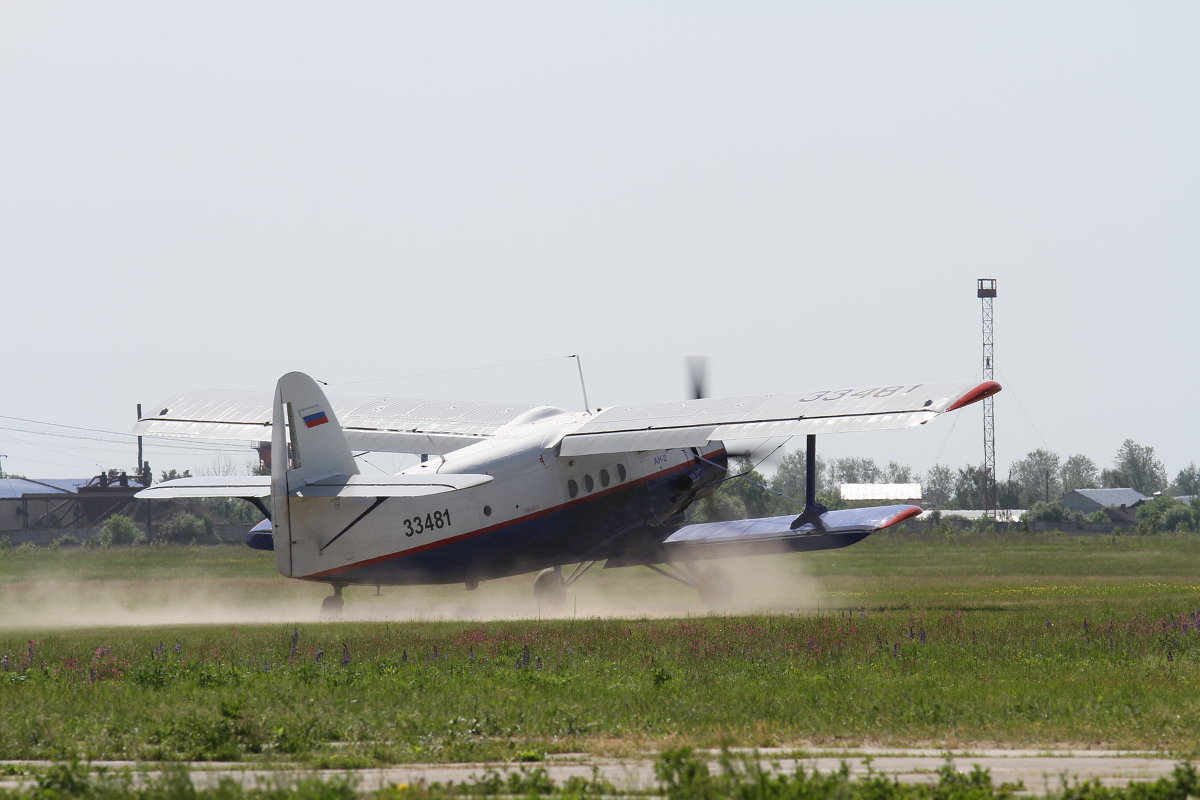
(697, 370)
(697, 374)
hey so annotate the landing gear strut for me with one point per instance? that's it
(332, 606)
(811, 515)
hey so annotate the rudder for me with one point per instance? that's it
(302, 417)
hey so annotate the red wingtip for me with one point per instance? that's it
(985, 389)
(908, 513)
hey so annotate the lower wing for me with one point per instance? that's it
(774, 534)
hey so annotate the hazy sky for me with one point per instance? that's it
(212, 194)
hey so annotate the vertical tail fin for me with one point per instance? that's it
(303, 418)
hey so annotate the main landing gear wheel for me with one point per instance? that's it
(331, 607)
(549, 588)
(714, 586)
(711, 583)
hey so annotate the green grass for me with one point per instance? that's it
(1070, 574)
(145, 562)
(902, 640)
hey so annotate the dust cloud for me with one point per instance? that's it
(765, 584)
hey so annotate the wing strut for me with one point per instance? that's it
(259, 504)
(812, 509)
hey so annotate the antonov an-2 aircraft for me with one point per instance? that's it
(522, 488)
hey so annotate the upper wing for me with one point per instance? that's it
(693, 423)
(369, 423)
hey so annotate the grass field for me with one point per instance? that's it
(1010, 640)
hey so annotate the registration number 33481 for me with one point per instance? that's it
(430, 522)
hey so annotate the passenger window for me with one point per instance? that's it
(621, 472)
(588, 483)
(604, 479)
(572, 487)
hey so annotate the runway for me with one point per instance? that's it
(1040, 771)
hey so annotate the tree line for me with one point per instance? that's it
(1041, 477)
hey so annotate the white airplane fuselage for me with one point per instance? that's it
(539, 510)
(522, 488)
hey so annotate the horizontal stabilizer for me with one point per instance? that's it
(336, 486)
(216, 486)
(389, 485)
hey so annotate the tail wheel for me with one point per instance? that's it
(549, 588)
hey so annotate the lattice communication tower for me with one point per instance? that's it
(986, 291)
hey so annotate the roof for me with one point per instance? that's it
(881, 491)
(1111, 497)
(1000, 514)
(15, 488)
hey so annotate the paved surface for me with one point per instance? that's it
(1039, 770)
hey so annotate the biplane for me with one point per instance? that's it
(514, 489)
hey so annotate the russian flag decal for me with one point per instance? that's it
(313, 416)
